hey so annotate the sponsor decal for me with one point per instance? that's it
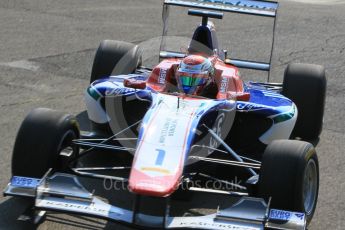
(248, 106)
(172, 128)
(25, 182)
(82, 208)
(224, 85)
(280, 215)
(244, 6)
(162, 76)
(164, 131)
(117, 91)
(213, 225)
(169, 128)
(245, 3)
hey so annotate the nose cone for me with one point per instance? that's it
(159, 186)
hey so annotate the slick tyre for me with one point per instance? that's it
(115, 58)
(290, 176)
(305, 85)
(42, 136)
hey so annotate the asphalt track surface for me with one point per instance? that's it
(46, 53)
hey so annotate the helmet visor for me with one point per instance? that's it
(189, 83)
(192, 80)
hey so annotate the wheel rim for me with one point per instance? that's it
(310, 185)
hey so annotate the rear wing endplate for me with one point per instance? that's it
(260, 8)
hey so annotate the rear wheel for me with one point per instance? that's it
(305, 85)
(114, 58)
(44, 141)
(290, 176)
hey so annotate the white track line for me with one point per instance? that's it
(22, 64)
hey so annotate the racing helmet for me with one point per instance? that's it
(193, 74)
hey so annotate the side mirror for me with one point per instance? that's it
(239, 96)
(135, 84)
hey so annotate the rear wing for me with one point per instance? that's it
(249, 7)
(253, 7)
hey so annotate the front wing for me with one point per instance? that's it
(64, 193)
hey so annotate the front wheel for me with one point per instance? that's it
(41, 138)
(290, 176)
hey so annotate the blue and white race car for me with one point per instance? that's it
(174, 130)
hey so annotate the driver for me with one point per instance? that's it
(195, 76)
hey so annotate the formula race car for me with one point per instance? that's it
(171, 131)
